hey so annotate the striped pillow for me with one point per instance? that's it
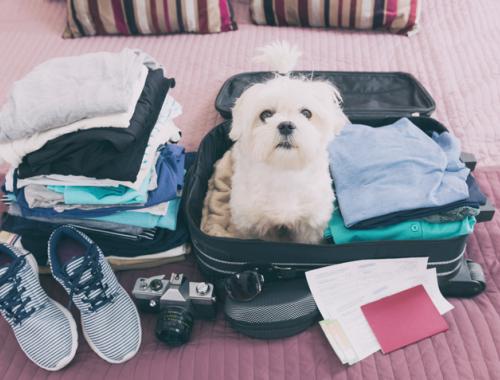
(398, 16)
(132, 17)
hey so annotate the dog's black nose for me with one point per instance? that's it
(286, 128)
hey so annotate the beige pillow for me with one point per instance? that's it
(133, 17)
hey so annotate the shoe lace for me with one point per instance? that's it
(93, 290)
(12, 303)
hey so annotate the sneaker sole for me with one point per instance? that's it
(74, 332)
(126, 357)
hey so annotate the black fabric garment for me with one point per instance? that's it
(103, 153)
(35, 235)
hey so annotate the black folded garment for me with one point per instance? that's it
(35, 235)
(103, 153)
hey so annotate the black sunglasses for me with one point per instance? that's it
(244, 286)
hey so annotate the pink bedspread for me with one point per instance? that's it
(469, 350)
(456, 56)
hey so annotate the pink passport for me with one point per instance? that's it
(403, 318)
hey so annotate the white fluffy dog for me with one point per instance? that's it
(281, 186)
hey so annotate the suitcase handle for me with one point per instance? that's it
(486, 212)
(469, 160)
(469, 281)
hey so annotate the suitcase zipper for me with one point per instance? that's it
(225, 272)
(282, 265)
(247, 263)
(204, 263)
(436, 263)
(442, 274)
(217, 260)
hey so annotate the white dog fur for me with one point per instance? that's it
(281, 186)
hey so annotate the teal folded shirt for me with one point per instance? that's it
(409, 230)
(146, 220)
(91, 195)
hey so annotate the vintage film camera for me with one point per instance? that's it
(178, 301)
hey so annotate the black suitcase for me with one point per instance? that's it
(372, 98)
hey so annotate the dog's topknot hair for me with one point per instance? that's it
(280, 56)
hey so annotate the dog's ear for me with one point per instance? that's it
(240, 116)
(328, 91)
(236, 125)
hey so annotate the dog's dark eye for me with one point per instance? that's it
(265, 115)
(306, 113)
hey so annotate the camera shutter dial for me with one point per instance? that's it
(202, 288)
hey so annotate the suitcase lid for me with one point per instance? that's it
(365, 94)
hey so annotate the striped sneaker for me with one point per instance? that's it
(45, 330)
(110, 321)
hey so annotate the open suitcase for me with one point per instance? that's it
(371, 98)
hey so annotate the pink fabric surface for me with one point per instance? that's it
(456, 57)
(469, 350)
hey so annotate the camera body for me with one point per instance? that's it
(178, 302)
(157, 293)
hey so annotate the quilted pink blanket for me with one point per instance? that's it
(456, 56)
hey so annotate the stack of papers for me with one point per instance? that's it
(341, 290)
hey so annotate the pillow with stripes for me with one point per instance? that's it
(136, 17)
(398, 16)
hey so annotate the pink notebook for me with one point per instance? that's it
(403, 318)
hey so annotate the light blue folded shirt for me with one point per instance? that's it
(398, 167)
(146, 220)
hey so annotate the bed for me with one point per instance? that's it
(455, 56)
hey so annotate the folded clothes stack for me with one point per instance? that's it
(403, 185)
(91, 142)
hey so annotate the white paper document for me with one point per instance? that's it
(340, 291)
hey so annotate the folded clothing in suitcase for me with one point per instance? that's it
(374, 99)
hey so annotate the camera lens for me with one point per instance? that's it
(174, 325)
(156, 285)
